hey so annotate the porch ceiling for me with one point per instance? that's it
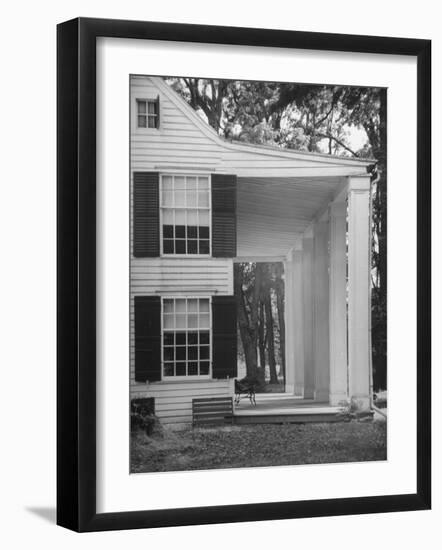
(273, 212)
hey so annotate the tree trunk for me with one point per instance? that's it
(261, 336)
(247, 328)
(270, 337)
(279, 288)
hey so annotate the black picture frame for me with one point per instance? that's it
(76, 274)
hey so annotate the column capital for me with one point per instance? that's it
(359, 183)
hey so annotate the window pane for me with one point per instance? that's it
(204, 247)
(204, 232)
(191, 197)
(168, 306)
(204, 338)
(193, 320)
(181, 321)
(204, 320)
(204, 367)
(192, 305)
(181, 369)
(180, 305)
(152, 106)
(192, 232)
(191, 183)
(193, 353)
(180, 338)
(142, 121)
(204, 305)
(168, 321)
(169, 339)
(152, 121)
(167, 196)
(167, 182)
(168, 246)
(168, 231)
(192, 247)
(204, 352)
(168, 217)
(168, 369)
(192, 338)
(204, 218)
(169, 354)
(180, 197)
(203, 183)
(192, 218)
(180, 182)
(180, 247)
(141, 107)
(180, 231)
(203, 198)
(193, 369)
(180, 353)
(180, 217)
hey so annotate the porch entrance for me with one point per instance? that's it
(260, 296)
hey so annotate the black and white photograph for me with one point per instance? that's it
(258, 273)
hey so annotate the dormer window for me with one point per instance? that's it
(148, 113)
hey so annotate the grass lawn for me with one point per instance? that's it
(257, 445)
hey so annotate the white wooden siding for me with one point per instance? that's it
(173, 400)
(177, 142)
(160, 276)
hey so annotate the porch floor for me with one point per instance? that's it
(278, 409)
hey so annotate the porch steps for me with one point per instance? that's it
(301, 413)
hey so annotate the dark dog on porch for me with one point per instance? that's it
(246, 386)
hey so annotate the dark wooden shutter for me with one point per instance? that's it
(146, 215)
(224, 353)
(147, 338)
(223, 216)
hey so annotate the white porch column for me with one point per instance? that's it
(321, 311)
(289, 325)
(298, 319)
(307, 276)
(359, 307)
(338, 303)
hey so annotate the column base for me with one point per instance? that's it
(299, 390)
(360, 403)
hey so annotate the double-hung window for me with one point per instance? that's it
(148, 113)
(186, 324)
(185, 212)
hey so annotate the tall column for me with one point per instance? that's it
(359, 307)
(321, 311)
(338, 303)
(307, 276)
(298, 319)
(289, 325)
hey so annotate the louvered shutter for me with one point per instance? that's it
(146, 215)
(147, 338)
(224, 353)
(223, 216)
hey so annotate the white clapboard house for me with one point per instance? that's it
(199, 204)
